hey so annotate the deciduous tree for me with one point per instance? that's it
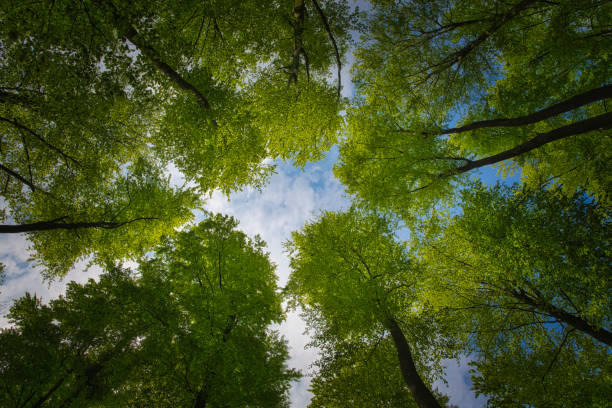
(189, 329)
(446, 87)
(525, 276)
(357, 285)
(90, 88)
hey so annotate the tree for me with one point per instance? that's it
(446, 88)
(524, 275)
(74, 351)
(189, 329)
(122, 218)
(357, 286)
(354, 374)
(89, 90)
(222, 289)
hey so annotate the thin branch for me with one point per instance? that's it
(333, 41)
(458, 55)
(22, 179)
(27, 154)
(199, 34)
(306, 63)
(554, 359)
(41, 139)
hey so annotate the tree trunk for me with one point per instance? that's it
(201, 398)
(299, 9)
(422, 395)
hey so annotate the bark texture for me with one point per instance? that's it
(54, 225)
(422, 395)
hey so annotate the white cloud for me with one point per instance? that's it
(459, 384)
(23, 276)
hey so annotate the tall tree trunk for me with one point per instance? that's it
(422, 395)
(576, 322)
(299, 9)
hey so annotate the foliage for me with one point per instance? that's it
(189, 329)
(525, 277)
(353, 280)
(427, 72)
(355, 374)
(95, 94)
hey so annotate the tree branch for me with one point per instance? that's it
(54, 225)
(39, 137)
(22, 179)
(601, 122)
(558, 351)
(576, 322)
(456, 56)
(131, 34)
(570, 104)
(333, 41)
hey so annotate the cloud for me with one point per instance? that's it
(459, 384)
(290, 199)
(23, 276)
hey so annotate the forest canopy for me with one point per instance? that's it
(119, 120)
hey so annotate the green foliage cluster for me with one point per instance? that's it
(189, 328)
(427, 72)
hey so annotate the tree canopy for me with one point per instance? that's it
(446, 87)
(525, 277)
(188, 329)
(95, 94)
(356, 284)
